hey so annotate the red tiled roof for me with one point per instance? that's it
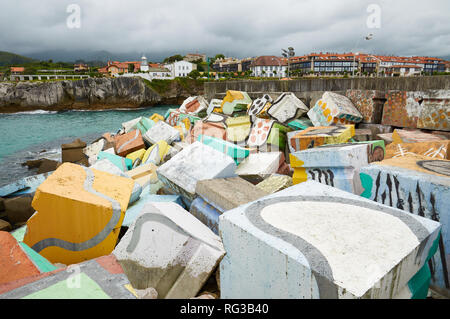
(269, 60)
(17, 69)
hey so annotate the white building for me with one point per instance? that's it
(269, 67)
(181, 68)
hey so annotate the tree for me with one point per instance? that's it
(173, 58)
(194, 74)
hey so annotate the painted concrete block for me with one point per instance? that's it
(124, 164)
(237, 153)
(19, 261)
(173, 117)
(427, 109)
(170, 250)
(162, 132)
(300, 124)
(336, 166)
(287, 108)
(144, 125)
(259, 166)
(413, 136)
(332, 109)
(92, 150)
(214, 104)
(228, 193)
(206, 213)
(238, 129)
(268, 135)
(196, 105)
(135, 209)
(156, 117)
(275, 183)
(79, 214)
(260, 106)
(387, 138)
(128, 143)
(101, 278)
(416, 184)
(369, 103)
(235, 101)
(131, 125)
(157, 153)
(195, 163)
(73, 152)
(362, 135)
(315, 241)
(137, 157)
(26, 185)
(438, 150)
(144, 175)
(318, 136)
(376, 129)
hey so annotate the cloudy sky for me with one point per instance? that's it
(233, 27)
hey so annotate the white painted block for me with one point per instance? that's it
(162, 131)
(315, 241)
(287, 108)
(259, 166)
(131, 125)
(170, 250)
(194, 163)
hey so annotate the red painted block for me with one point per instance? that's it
(128, 143)
(369, 103)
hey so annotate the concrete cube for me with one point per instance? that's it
(128, 143)
(315, 241)
(317, 136)
(170, 250)
(287, 108)
(195, 163)
(369, 103)
(162, 131)
(259, 166)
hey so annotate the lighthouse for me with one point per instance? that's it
(144, 64)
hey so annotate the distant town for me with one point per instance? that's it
(196, 66)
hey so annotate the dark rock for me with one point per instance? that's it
(18, 209)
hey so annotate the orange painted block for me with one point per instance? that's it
(317, 136)
(79, 214)
(437, 150)
(14, 262)
(413, 136)
(128, 143)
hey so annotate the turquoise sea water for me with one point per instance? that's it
(23, 136)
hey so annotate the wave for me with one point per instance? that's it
(35, 112)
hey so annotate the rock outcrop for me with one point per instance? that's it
(88, 94)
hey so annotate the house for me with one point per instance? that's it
(404, 70)
(115, 68)
(80, 67)
(181, 68)
(192, 57)
(17, 70)
(269, 67)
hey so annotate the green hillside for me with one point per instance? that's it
(7, 58)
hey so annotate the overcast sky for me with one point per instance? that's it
(233, 27)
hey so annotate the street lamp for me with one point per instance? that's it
(289, 53)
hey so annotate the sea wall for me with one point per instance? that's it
(91, 94)
(303, 86)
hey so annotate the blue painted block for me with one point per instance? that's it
(237, 153)
(134, 210)
(26, 185)
(206, 213)
(125, 164)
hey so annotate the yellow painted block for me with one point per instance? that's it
(79, 214)
(144, 174)
(180, 129)
(157, 117)
(238, 128)
(231, 96)
(318, 136)
(299, 176)
(419, 163)
(156, 153)
(136, 155)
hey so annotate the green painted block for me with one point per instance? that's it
(300, 124)
(40, 262)
(19, 233)
(88, 289)
(193, 119)
(125, 164)
(237, 153)
(277, 135)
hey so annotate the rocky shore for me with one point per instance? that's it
(91, 94)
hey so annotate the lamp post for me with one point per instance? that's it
(289, 53)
